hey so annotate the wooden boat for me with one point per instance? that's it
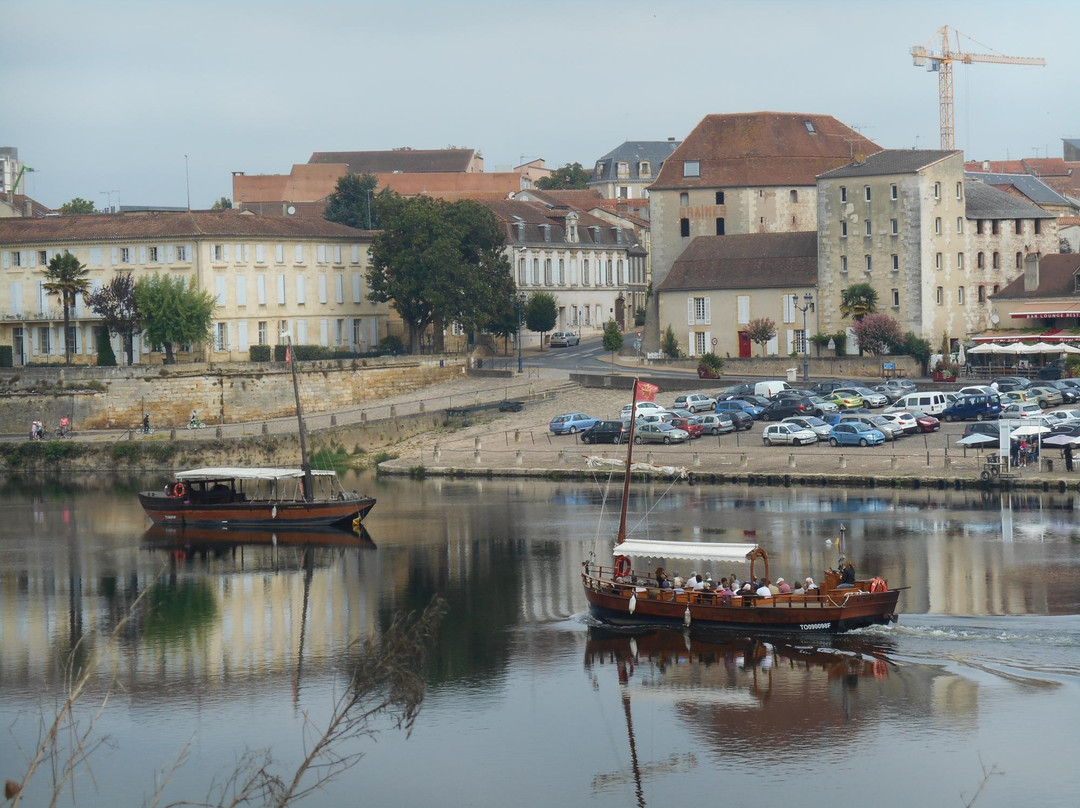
(258, 497)
(622, 595)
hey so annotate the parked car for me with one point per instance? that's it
(571, 423)
(1062, 417)
(904, 420)
(664, 417)
(606, 432)
(1027, 410)
(735, 391)
(641, 407)
(932, 403)
(690, 425)
(844, 401)
(926, 421)
(823, 388)
(756, 400)
(738, 405)
(1007, 383)
(564, 339)
(785, 407)
(660, 433)
(1045, 396)
(853, 433)
(978, 406)
(1013, 397)
(1052, 371)
(890, 393)
(791, 434)
(718, 424)
(811, 422)
(824, 406)
(1071, 428)
(1069, 393)
(869, 397)
(902, 386)
(695, 402)
(742, 420)
(889, 430)
(982, 428)
(977, 390)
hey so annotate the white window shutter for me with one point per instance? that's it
(228, 336)
(357, 289)
(790, 340)
(242, 335)
(247, 253)
(324, 332)
(322, 288)
(772, 347)
(301, 330)
(355, 253)
(6, 259)
(300, 292)
(260, 253)
(708, 341)
(279, 253)
(260, 289)
(33, 258)
(690, 341)
(219, 284)
(142, 254)
(115, 256)
(170, 256)
(339, 288)
(298, 254)
(241, 290)
(281, 290)
(743, 304)
(690, 311)
(225, 252)
(708, 311)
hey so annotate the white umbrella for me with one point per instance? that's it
(1060, 440)
(985, 347)
(1029, 429)
(960, 358)
(1064, 347)
(977, 439)
(1041, 347)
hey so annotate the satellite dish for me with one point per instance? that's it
(995, 319)
(291, 210)
(860, 157)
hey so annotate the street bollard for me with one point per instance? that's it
(791, 461)
(843, 461)
(894, 462)
(697, 459)
(948, 462)
(744, 461)
(517, 457)
(265, 428)
(217, 432)
(422, 408)
(363, 416)
(476, 445)
(562, 455)
(393, 411)
(476, 458)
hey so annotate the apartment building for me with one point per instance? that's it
(627, 171)
(270, 276)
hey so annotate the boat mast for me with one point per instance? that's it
(305, 466)
(621, 537)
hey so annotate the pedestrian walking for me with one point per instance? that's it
(1068, 458)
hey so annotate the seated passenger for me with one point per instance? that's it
(698, 583)
(847, 577)
(783, 587)
(810, 586)
(773, 588)
(764, 591)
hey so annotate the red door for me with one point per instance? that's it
(744, 345)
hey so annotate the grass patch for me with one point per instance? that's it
(417, 472)
(382, 457)
(31, 453)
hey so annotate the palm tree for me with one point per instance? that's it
(66, 278)
(858, 300)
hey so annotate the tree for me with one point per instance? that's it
(437, 259)
(878, 334)
(174, 313)
(105, 356)
(669, 344)
(66, 277)
(613, 339)
(571, 177)
(1064, 246)
(541, 313)
(222, 204)
(761, 331)
(115, 304)
(76, 205)
(916, 347)
(858, 300)
(352, 202)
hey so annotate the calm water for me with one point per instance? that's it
(526, 698)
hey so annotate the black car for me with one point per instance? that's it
(606, 432)
(742, 420)
(1069, 393)
(736, 391)
(786, 407)
(1068, 428)
(1007, 383)
(982, 428)
(1052, 371)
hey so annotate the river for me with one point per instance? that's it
(976, 687)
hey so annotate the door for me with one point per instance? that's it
(744, 345)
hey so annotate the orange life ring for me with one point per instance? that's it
(878, 585)
(622, 566)
(179, 490)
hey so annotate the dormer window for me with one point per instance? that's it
(546, 230)
(691, 168)
(1076, 282)
(644, 169)
(622, 170)
(600, 168)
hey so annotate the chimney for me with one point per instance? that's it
(28, 208)
(1031, 272)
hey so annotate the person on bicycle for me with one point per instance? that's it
(194, 420)
(64, 424)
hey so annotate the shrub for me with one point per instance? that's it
(709, 366)
(391, 345)
(260, 353)
(669, 344)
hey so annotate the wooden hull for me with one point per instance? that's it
(168, 537)
(164, 509)
(829, 613)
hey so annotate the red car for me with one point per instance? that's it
(691, 425)
(927, 423)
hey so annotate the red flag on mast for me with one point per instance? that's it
(643, 391)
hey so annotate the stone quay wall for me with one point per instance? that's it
(109, 398)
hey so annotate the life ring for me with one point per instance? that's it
(878, 585)
(179, 490)
(622, 566)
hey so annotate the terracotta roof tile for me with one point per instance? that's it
(1056, 278)
(745, 261)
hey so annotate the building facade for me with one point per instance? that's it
(627, 171)
(270, 277)
(933, 245)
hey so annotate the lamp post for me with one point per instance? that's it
(520, 307)
(808, 305)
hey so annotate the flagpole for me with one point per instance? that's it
(621, 536)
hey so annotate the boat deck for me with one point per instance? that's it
(710, 598)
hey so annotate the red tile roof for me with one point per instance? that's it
(745, 261)
(762, 149)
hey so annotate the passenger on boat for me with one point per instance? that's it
(772, 587)
(847, 577)
(810, 585)
(662, 579)
(782, 587)
(797, 589)
(677, 581)
(698, 583)
(763, 591)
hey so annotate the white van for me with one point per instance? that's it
(770, 388)
(930, 403)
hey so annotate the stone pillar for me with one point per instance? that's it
(517, 457)
(744, 461)
(948, 462)
(843, 461)
(894, 462)
(791, 460)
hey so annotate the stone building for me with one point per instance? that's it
(720, 283)
(932, 244)
(269, 276)
(627, 171)
(743, 173)
(1043, 302)
(593, 269)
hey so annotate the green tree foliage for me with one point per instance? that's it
(115, 304)
(710, 365)
(613, 339)
(916, 347)
(761, 331)
(878, 334)
(541, 313)
(353, 202)
(858, 300)
(76, 205)
(438, 259)
(222, 204)
(571, 177)
(669, 344)
(105, 356)
(173, 313)
(66, 278)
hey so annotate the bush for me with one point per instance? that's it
(709, 366)
(260, 353)
(391, 345)
(669, 344)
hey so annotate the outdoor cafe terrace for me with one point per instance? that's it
(1004, 356)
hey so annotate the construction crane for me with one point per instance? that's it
(942, 63)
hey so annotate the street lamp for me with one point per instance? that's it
(808, 305)
(520, 308)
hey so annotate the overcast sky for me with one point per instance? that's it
(104, 98)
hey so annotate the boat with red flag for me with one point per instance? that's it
(629, 592)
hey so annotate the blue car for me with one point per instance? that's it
(854, 433)
(571, 423)
(739, 406)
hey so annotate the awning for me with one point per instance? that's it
(245, 473)
(683, 550)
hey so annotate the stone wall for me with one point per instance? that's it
(821, 367)
(105, 398)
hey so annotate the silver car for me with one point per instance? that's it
(811, 422)
(716, 424)
(787, 433)
(660, 433)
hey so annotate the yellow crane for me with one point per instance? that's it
(942, 63)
